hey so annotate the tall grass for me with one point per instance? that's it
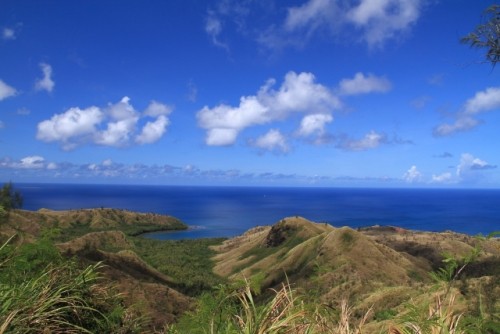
(57, 301)
(238, 312)
(58, 297)
(441, 318)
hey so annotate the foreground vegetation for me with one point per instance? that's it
(85, 271)
(41, 289)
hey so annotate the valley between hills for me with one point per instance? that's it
(378, 279)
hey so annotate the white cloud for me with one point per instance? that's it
(114, 125)
(486, 100)
(125, 118)
(376, 21)
(469, 163)
(221, 136)
(483, 101)
(272, 140)
(52, 166)
(412, 175)
(315, 123)
(311, 14)
(153, 131)
(362, 84)
(117, 133)
(381, 20)
(46, 82)
(30, 162)
(6, 90)
(74, 124)
(122, 110)
(107, 162)
(442, 178)
(298, 93)
(8, 34)
(156, 109)
(463, 123)
(369, 141)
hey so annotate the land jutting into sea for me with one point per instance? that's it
(91, 270)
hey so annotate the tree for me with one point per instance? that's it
(10, 198)
(487, 35)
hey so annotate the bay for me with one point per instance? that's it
(230, 211)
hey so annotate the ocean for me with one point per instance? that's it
(230, 211)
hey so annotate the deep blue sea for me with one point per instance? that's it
(230, 211)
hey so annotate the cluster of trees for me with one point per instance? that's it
(9, 199)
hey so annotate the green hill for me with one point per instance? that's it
(381, 268)
(334, 276)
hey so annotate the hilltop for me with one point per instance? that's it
(73, 223)
(376, 270)
(381, 268)
(104, 236)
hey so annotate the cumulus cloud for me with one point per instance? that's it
(153, 131)
(273, 140)
(442, 178)
(412, 175)
(469, 163)
(362, 84)
(114, 125)
(6, 90)
(299, 93)
(465, 120)
(314, 124)
(369, 141)
(71, 126)
(486, 100)
(221, 136)
(46, 82)
(31, 162)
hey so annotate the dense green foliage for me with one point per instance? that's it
(188, 262)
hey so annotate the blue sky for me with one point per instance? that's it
(361, 93)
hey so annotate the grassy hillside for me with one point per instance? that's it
(377, 269)
(296, 276)
(101, 239)
(74, 223)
